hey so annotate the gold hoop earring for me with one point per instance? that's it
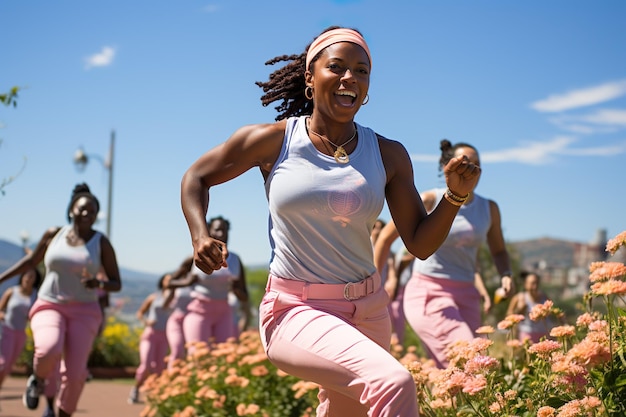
(367, 100)
(308, 91)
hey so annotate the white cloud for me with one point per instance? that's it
(600, 121)
(537, 153)
(103, 58)
(581, 98)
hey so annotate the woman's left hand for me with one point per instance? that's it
(461, 175)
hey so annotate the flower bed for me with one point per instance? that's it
(579, 371)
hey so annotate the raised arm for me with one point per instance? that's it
(422, 233)
(32, 258)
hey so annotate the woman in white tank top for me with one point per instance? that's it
(66, 315)
(324, 315)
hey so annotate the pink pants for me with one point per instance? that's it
(341, 345)
(208, 320)
(441, 311)
(11, 345)
(396, 312)
(153, 349)
(175, 336)
(64, 331)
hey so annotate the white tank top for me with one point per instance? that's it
(217, 285)
(457, 256)
(18, 306)
(322, 212)
(65, 266)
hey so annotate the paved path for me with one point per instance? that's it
(100, 398)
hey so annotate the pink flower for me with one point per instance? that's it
(474, 384)
(601, 271)
(541, 311)
(563, 331)
(510, 321)
(589, 353)
(514, 343)
(485, 330)
(544, 348)
(546, 411)
(480, 364)
(584, 320)
(611, 286)
(617, 242)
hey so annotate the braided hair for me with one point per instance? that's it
(288, 84)
(448, 150)
(81, 190)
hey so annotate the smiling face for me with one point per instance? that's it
(340, 80)
(84, 212)
(218, 229)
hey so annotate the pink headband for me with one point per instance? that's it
(333, 36)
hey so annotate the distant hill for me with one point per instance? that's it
(555, 253)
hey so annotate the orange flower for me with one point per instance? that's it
(617, 242)
(474, 384)
(541, 311)
(546, 411)
(601, 271)
(563, 331)
(480, 364)
(485, 330)
(544, 348)
(510, 321)
(584, 320)
(589, 353)
(609, 287)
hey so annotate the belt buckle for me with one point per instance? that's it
(346, 292)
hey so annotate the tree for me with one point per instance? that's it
(10, 99)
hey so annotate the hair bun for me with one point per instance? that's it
(81, 188)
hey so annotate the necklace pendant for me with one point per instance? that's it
(341, 156)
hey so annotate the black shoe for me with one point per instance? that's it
(49, 413)
(34, 388)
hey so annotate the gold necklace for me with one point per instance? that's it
(340, 155)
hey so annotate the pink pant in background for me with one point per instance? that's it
(441, 311)
(64, 331)
(208, 321)
(341, 345)
(175, 336)
(153, 350)
(396, 312)
(11, 344)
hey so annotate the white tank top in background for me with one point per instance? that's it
(16, 316)
(217, 285)
(157, 314)
(66, 266)
(456, 258)
(322, 212)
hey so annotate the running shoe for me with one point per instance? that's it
(34, 388)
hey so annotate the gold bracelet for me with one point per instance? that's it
(457, 198)
(451, 201)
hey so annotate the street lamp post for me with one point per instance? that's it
(81, 159)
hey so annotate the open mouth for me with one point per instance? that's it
(346, 97)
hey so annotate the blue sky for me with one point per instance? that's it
(538, 87)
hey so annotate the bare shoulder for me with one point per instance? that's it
(394, 154)
(262, 142)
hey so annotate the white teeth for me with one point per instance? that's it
(346, 93)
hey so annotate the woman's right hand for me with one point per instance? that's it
(209, 254)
